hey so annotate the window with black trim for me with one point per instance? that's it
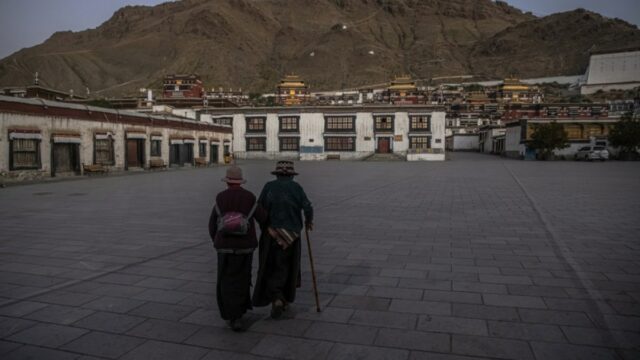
(202, 150)
(289, 143)
(340, 143)
(256, 124)
(156, 147)
(383, 123)
(24, 154)
(289, 124)
(340, 123)
(419, 142)
(256, 144)
(225, 121)
(419, 123)
(104, 152)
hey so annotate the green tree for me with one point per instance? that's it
(626, 135)
(548, 137)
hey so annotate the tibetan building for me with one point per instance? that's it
(403, 91)
(514, 91)
(182, 86)
(292, 91)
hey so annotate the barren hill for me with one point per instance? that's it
(332, 44)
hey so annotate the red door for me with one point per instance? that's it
(383, 145)
(132, 153)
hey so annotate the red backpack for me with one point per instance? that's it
(234, 223)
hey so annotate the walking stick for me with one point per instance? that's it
(313, 271)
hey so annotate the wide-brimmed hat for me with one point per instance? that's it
(284, 168)
(234, 176)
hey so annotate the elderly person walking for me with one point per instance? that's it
(232, 229)
(279, 272)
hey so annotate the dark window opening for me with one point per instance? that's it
(25, 154)
(419, 123)
(256, 124)
(419, 142)
(156, 148)
(383, 123)
(289, 143)
(104, 154)
(340, 143)
(289, 124)
(340, 123)
(256, 144)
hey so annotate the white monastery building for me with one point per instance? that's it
(618, 70)
(335, 132)
(41, 138)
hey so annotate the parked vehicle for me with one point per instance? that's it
(590, 153)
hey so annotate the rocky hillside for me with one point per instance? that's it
(332, 44)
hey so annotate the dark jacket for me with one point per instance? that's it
(240, 200)
(284, 200)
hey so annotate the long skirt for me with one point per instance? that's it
(279, 272)
(234, 282)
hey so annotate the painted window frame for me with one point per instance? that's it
(283, 129)
(12, 151)
(111, 151)
(413, 142)
(344, 119)
(260, 130)
(282, 144)
(263, 141)
(413, 127)
(158, 151)
(380, 129)
(327, 141)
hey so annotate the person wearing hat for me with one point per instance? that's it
(232, 229)
(284, 200)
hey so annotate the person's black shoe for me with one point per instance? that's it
(277, 307)
(235, 325)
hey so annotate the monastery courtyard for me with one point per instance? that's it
(476, 257)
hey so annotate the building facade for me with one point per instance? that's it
(462, 142)
(40, 138)
(612, 70)
(292, 91)
(332, 132)
(182, 86)
(491, 139)
(580, 132)
(403, 91)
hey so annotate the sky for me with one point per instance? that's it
(25, 23)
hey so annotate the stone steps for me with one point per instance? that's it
(385, 157)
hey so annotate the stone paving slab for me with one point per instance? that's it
(477, 257)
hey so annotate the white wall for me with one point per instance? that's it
(438, 130)
(614, 68)
(465, 142)
(512, 146)
(87, 130)
(312, 134)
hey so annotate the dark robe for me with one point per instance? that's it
(279, 272)
(234, 270)
(233, 285)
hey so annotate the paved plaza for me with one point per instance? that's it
(476, 257)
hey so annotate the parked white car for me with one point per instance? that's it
(591, 153)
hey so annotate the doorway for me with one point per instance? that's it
(135, 153)
(65, 158)
(174, 154)
(384, 145)
(187, 154)
(213, 154)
